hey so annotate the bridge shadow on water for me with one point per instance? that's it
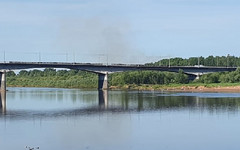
(135, 102)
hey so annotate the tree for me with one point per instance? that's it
(23, 73)
(11, 74)
(49, 72)
(181, 77)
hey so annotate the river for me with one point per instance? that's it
(74, 119)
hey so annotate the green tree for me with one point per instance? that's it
(181, 77)
(11, 74)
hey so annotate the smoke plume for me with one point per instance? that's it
(97, 40)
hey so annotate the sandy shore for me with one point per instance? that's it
(228, 89)
(206, 89)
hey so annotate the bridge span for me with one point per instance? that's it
(103, 69)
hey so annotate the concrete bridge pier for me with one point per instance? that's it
(198, 76)
(103, 81)
(3, 81)
(194, 76)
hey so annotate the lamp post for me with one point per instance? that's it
(4, 57)
(169, 62)
(39, 56)
(198, 62)
(227, 60)
(66, 57)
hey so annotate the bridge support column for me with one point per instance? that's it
(192, 77)
(102, 81)
(3, 81)
(198, 76)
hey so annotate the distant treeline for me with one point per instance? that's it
(148, 77)
(83, 79)
(221, 61)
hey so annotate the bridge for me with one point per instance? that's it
(104, 69)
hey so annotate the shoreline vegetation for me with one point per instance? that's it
(183, 87)
(80, 79)
(138, 80)
(235, 87)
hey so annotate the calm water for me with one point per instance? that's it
(72, 119)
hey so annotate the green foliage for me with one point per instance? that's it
(82, 79)
(49, 72)
(23, 73)
(221, 61)
(221, 77)
(210, 78)
(11, 74)
(147, 77)
(53, 78)
(181, 77)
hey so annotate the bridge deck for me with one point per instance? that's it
(99, 67)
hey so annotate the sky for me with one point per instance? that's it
(126, 31)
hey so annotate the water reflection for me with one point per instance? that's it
(90, 119)
(103, 98)
(150, 102)
(3, 102)
(30, 102)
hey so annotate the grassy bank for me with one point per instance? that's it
(91, 82)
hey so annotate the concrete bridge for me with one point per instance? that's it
(103, 70)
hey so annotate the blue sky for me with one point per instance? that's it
(55, 30)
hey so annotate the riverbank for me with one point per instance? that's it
(133, 80)
(192, 87)
(86, 81)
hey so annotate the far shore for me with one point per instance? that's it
(183, 88)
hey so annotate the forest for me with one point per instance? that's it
(82, 79)
(52, 78)
(218, 61)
